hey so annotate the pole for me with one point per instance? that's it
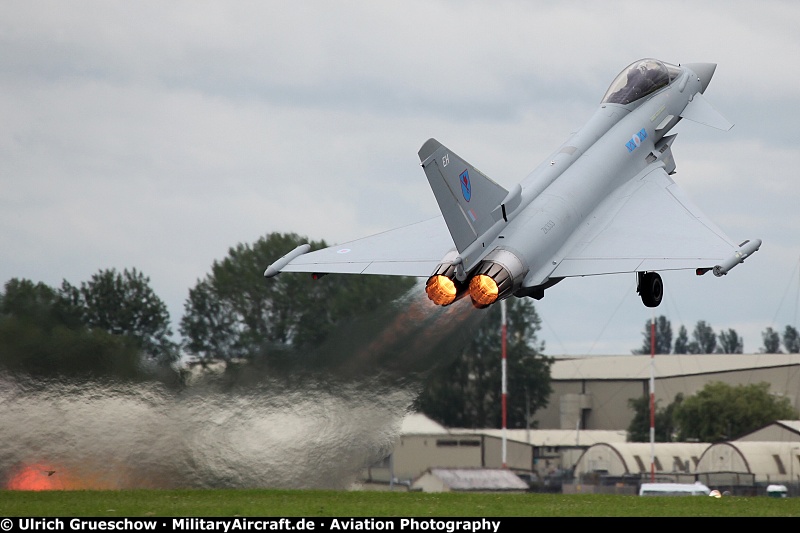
(391, 471)
(503, 372)
(652, 399)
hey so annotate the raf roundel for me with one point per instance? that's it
(636, 140)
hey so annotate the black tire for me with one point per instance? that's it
(651, 289)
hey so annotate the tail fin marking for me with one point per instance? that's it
(466, 196)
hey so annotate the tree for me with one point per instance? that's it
(704, 340)
(42, 337)
(730, 342)
(721, 411)
(125, 305)
(663, 336)
(209, 325)
(467, 393)
(235, 312)
(528, 372)
(772, 341)
(35, 303)
(791, 340)
(681, 342)
(639, 428)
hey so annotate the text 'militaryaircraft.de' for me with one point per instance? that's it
(602, 203)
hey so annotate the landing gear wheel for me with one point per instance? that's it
(650, 288)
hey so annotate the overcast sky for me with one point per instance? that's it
(157, 135)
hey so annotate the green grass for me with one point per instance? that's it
(316, 503)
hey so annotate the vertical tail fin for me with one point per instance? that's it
(466, 197)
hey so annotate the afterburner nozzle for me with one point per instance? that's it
(483, 290)
(441, 290)
(495, 278)
(443, 286)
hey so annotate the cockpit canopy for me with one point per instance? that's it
(639, 79)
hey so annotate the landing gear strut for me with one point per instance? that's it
(650, 288)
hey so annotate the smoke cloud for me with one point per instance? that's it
(311, 420)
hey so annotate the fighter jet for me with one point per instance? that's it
(602, 203)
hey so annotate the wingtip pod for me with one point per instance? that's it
(746, 249)
(275, 268)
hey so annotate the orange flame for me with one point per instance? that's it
(35, 477)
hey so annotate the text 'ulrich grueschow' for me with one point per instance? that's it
(232, 525)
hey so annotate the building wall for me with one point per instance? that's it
(550, 417)
(610, 409)
(603, 404)
(519, 456)
(607, 403)
(602, 458)
(416, 453)
(770, 462)
(784, 381)
(430, 483)
(634, 458)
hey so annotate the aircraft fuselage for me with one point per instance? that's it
(559, 196)
(602, 203)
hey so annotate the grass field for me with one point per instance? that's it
(315, 503)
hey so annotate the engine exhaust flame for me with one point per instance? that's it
(441, 290)
(483, 291)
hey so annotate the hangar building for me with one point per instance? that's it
(582, 433)
(592, 392)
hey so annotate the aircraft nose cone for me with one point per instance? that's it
(704, 71)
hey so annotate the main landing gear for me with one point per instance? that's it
(650, 288)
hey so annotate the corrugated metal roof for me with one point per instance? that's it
(419, 424)
(767, 460)
(794, 425)
(779, 430)
(634, 457)
(479, 479)
(667, 365)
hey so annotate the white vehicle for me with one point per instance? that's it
(777, 491)
(674, 489)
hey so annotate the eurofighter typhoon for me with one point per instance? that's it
(602, 203)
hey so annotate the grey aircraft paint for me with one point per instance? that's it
(602, 203)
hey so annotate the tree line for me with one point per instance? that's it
(705, 341)
(114, 325)
(115, 321)
(106, 326)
